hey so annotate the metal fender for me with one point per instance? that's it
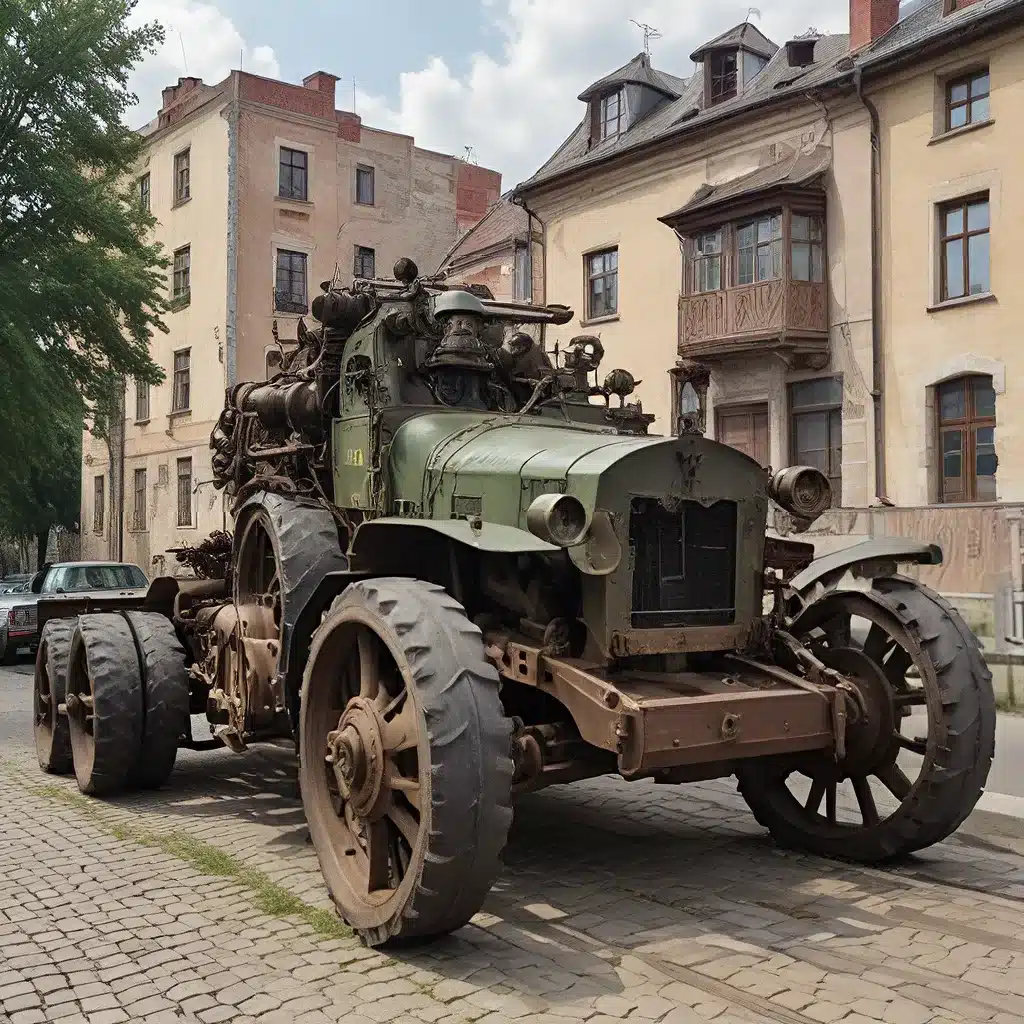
(877, 557)
(490, 537)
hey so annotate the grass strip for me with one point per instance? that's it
(266, 895)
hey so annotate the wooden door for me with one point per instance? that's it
(745, 427)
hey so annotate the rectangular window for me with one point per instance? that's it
(364, 186)
(967, 100)
(602, 283)
(707, 261)
(965, 247)
(99, 501)
(523, 288)
(365, 262)
(144, 197)
(141, 401)
(967, 443)
(293, 176)
(139, 505)
(290, 285)
(611, 115)
(185, 492)
(182, 381)
(816, 428)
(723, 77)
(182, 183)
(807, 261)
(182, 272)
(759, 249)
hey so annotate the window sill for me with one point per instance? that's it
(142, 423)
(179, 303)
(293, 200)
(964, 300)
(609, 319)
(964, 129)
(174, 413)
(180, 202)
(365, 206)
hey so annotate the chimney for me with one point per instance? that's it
(870, 19)
(323, 83)
(173, 93)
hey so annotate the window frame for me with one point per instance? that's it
(366, 169)
(142, 401)
(816, 409)
(968, 426)
(290, 303)
(718, 79)
(139, 507)
(99, 502)
(606, 120)
(181, 381)
(145, 187)
(700, 259)
(774, 240)
(966, 78)
(359, 253)
(187, 505)
(590, 276)
(182, 175)
(963, 204)
(184, 271)
(292, 168)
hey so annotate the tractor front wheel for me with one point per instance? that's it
(405, 767)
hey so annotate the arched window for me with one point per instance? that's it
(966, 434)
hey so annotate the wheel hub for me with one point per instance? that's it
(870, 727)
(356, 752)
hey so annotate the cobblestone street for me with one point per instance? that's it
(619, 902)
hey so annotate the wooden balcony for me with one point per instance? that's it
(790, 317)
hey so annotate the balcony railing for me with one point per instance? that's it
(779, 313)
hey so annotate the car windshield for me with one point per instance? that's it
(72, 578)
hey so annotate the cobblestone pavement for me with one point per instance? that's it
(619, 902)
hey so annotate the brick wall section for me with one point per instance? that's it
(870, 19)
(476, 188)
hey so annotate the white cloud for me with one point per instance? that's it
(199, 41)
(516, 109)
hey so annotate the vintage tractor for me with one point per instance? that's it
(460, 571)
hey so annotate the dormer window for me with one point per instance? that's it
(610, 115)
(723, 77)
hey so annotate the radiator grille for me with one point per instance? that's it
(684, 564)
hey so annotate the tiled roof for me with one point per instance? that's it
(798, 169)
(920, 24)
(745, 37)
(503, 224)
(637, 72)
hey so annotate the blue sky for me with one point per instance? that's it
(500, 76)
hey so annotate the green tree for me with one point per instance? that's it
(81, 285)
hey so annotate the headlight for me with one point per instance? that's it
(559, 519)
(803, 491)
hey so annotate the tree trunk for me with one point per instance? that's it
(42, 539)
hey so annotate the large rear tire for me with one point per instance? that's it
(165, 697)
(52, 736)
(910, 627)
(405, 765)
(105, 703)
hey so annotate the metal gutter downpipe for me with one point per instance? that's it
(877, 354)
(530, 218)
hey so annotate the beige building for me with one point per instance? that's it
(828, 224)
(262, 190)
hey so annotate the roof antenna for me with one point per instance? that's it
(183, 57)
(470, 158)
(650, 32)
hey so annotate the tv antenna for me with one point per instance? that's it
(182, 41)
(649, 31)
(470, 157)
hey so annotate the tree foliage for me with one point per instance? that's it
(81, 285)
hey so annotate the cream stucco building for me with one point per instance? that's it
(828, 224)
(261, 190)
